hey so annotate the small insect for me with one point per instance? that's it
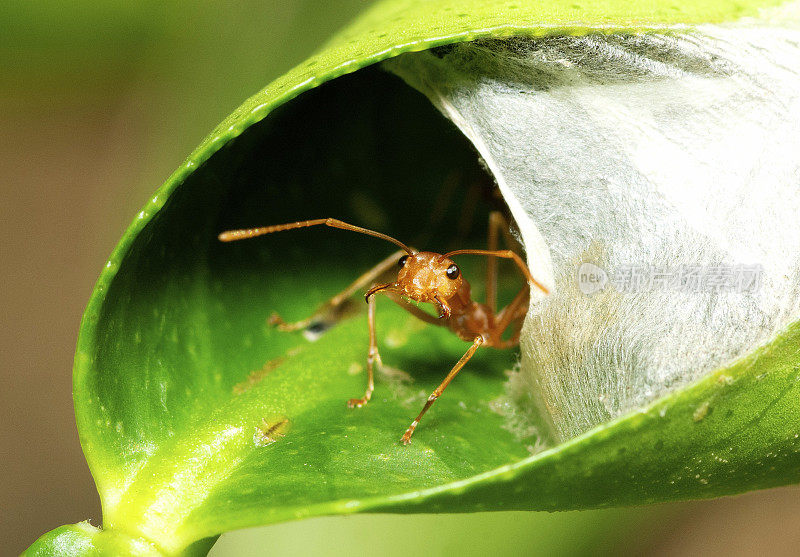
(426, 277)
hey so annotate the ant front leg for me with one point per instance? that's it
(372, 357)
(440, 389)
(334, 310)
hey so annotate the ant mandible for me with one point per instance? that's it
(426, 277)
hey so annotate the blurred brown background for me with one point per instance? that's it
(99, 102)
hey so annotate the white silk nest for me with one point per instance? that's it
(655, 180)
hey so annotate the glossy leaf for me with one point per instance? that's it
(177, 375)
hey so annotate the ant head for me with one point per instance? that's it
(426, 277)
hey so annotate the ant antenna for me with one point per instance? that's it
(508, 254)
(242, 234)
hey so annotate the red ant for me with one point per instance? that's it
(430, 277)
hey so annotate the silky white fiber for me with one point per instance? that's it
(655, 179)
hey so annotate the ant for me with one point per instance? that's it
(426, 277)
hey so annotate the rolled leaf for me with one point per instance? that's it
(197, 418)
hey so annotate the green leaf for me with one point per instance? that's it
(85, 539)
(177, 373)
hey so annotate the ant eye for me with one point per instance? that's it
(402, 261)
(452, 272)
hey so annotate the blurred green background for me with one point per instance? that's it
(99, 102)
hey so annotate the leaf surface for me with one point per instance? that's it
(177, 375)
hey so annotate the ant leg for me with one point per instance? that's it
(468, 208)
(513, 314)
(497, 223)
(372, 357)
(517, 307)
(332, 310)
(514, 340)
(438, 391)
(491, 262)
(440, 205)
(453, 182)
